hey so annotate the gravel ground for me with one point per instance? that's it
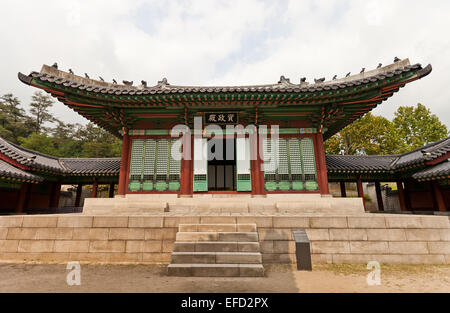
(279, 279)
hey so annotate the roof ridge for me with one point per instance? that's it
(58, 75)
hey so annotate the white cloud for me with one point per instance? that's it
(227, 42)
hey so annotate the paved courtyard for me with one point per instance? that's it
(279, 279)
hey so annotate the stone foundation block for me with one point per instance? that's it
(318, 234)
(266, 234)
(75, 221)
(284, 247)
(35, 246)
(145, 221)
(126, 234)
(369, 247)
(408, 247)
(403, 222)
(328, 222)
(435, 222)
(153, 234)
(386, 235)
(40, 221)
(156, 258)
(290, 222)
(330, 247)
(110, 221)
(107, 246)
(174, 221)
(442, 247)
(9, 245)
(22, 233)
(3, 233)
(366, 222)
(11, 221)
(90, 233)
(423, 234)
(71, 246)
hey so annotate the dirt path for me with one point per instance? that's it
(152, 278)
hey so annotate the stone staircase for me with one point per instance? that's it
(216, 250)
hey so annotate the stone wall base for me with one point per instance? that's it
(389, 239)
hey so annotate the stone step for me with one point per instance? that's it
(217, 236)
(216, 270)
(217, 227)
(216, 258)
(216, 246)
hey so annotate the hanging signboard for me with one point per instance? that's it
(223, 118)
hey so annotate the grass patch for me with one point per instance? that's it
(386, 269)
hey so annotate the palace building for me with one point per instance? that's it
(223, 136)
(305, 115)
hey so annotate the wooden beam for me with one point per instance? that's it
(94, 188)
(111, 190)
(379, 197)
(54, 194)
(78, 195)
(401, 196)
(437, 192)
(343, 190)
(360, 189)
(124, 164)
(21, 198)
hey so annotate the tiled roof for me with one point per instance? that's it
(440, 170)
(359, 163)
(64, 166)
(92, 166)
(418, 156)
(30, 158)
(59, 77)
(9, 171)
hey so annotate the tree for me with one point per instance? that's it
(40, 106)
(65, 141)
(375, 135)
(97, 142)
(10, 105)
(417, 126)
(39, 142)
(13, 121)
(370, 135)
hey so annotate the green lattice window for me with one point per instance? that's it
(152, 167)
(289, 164)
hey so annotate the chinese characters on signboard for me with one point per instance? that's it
(221, 118)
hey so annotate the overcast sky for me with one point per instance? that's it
(208, 42)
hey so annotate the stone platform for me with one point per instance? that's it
(271, 204)
(335, 238)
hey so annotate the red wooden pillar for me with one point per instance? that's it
(94, 189)
(343, 190)
(322, 170)
(124, 164)
(21, 197)
(401, 196)
(54, 194)
(256, 166)
(186, 167)
(78, 196)
(360, 189)
(437, 192)
(379, 197)
(111, 190)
